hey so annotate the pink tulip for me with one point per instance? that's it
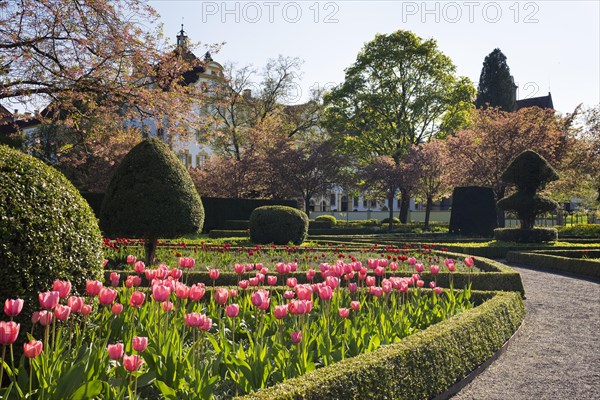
(33, 348)
(139, 343)
(355, 305)
(376, 291)
(261, 299)
(272, 280)
(45, 317)
(432, 284)
(310, 274)
(186, 262)
(420, 283)
(213, 274)
(232, 310)
(160, 293)
(206, 325)
(9, 331)
(332, 281)
(434, 269)
(139, 267)
(114, 279)
(370, 281)
(35, 317)
(411, 261)
(93, 287)
(344, 312)
(182, 291)
(352, 287)
(62, 312)
(233, 293)
(296, 337)
(221, 296)
(393, 266)
(13, 307)
(325, 293)
(288, 294)
(75, 303)
(419, 268)
(193, 319)
(196, 292)
(291, 282)
(469, 261)
(48, 300)
(239, 268)
(280, 311)
(115, 351)
(104, 263)
(176, 273)
(260, 277)
(86, 309)
(137, 299)
(253, 281)
(243, 284)
(132, 363)
(62, 287)
(438, 290)
(379, 271)
(131, 259)
(304, 292)
(167, 306)
(107, 296)
(117, 308)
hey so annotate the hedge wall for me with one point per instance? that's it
(419, 367)
(556, 262)
(226, 233)
(218, 210)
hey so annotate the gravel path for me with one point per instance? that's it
(556, 353)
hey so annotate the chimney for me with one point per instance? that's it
(247, 94)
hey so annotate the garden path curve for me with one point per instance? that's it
(556, 352)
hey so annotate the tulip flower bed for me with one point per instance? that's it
(177, 341)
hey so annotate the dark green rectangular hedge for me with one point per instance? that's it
(548, 260)
(419, 367)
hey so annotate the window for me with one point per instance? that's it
(364, 203)
(373, 203)
(186, 159)
(355, 202)
(201, 161)
(332, 199)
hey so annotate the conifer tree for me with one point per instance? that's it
(496, 85)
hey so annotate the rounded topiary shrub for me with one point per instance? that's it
(387, 220)
(329, 218)
(535, 235)
(47, 230)
(151, 196)
(278, 225)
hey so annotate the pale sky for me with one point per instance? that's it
(550, 45)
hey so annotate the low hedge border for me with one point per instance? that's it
(501, 251)
(497, 276)
(226, 233)
(557, 262)
(421, 366)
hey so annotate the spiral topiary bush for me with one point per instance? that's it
(47, 230)
(151, 196)
(278, 225)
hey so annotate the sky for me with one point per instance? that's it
(551, 46)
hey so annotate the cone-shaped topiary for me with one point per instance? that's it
(151, 196)
(529, 172)
(47, 231)
(278, 225)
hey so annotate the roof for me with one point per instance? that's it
(541, 102)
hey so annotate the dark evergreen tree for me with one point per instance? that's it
(151, 196)
(496, 86)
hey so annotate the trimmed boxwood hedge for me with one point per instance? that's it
(535, 235)
(225, 233)
(278, 225)
(557, 262)
(421, 366)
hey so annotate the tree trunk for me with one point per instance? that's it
(391, 207)
(150, 248)
(427, 212)
(500, 213)
(404, 206)
(307, 205)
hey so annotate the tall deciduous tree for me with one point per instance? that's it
(481, 153)
(496, 86)
(400, 91)
(88, 59)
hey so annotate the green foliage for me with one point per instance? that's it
(387, 220)
(473, 211)
(151, 195)
(278, 225)
(588, 230)
(47, 230)
(557, 262)
(227, 233)
(329, 218)
(496, 85)
(529, 172)
(236, 225)
(219, 210)
(533, 235)
(323, 224)
(421, 366)
(401, 90)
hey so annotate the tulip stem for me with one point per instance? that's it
(2, 366)
(30, 374)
